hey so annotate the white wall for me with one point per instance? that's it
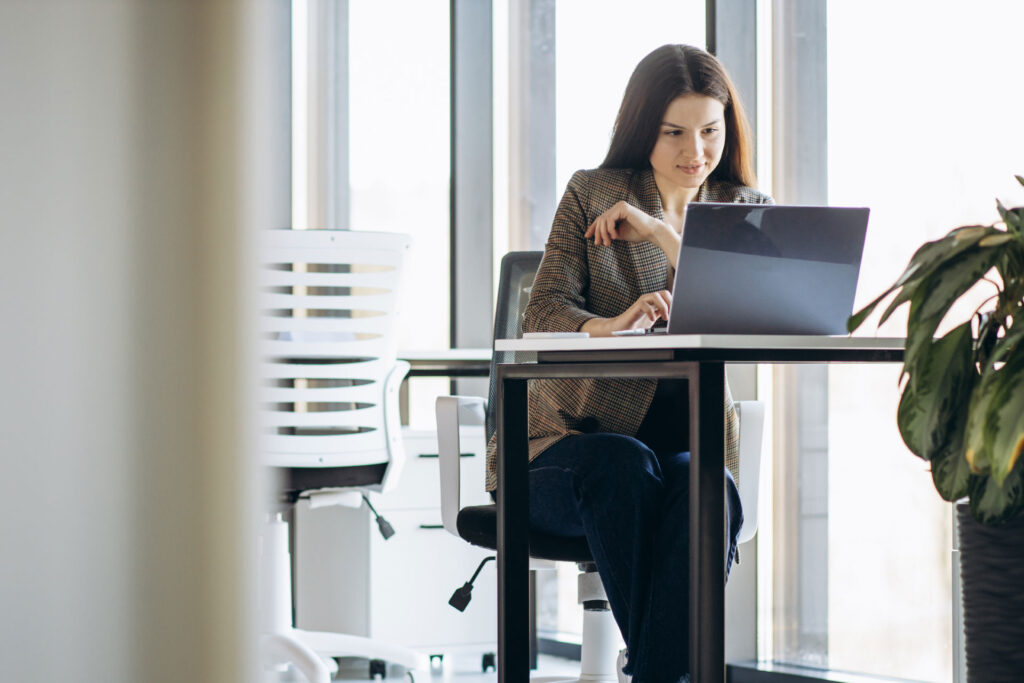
(132, 169)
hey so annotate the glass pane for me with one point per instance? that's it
(399, 159)
(927, 137)
(597, 47)
(890, 537)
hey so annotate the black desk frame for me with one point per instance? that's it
(704, 368)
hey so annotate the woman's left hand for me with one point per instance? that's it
(622, 222)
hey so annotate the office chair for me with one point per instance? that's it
(329, 410)
(478, 524)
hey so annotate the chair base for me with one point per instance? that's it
(601, 645)
(307, 650)
(290, 648)
(600, 640)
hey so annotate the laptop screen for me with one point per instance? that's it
(757, 269)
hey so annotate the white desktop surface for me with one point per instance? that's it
(445, 355)
(698, 341)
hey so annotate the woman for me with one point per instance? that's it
(610, 458)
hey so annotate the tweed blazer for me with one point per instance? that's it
(578, 280)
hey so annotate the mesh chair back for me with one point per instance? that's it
(328, 326)
(514, 284)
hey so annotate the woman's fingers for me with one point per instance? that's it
(665, 299)
(656, 308)
(611, 233)
(604, 231)
(645, 311)
(607, 227)
(642, 318)
(596, 231)
(656, 305)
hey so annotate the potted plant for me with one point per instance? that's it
(962, 410)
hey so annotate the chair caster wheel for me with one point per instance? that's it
(378, 669)
(489, 662)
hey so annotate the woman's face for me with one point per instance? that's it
(690, 141)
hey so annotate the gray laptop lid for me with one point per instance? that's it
(757, 269)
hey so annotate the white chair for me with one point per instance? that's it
(329, 410)
(477, 524)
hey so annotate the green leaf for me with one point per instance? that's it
(951, 473)
(943, 249)
(1014, 218)
(977, 447)
(857, 319)
(994, 504)
(1004, 425)
(1009, 342)
(1001, 209)
(995, 240)
(943, 287)
(1016, 226)
(941, 378)
(985, 340)
(903, 297)
(1020, 179)
(928, 256)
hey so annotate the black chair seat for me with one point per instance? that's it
(293, 481)
(478, 524)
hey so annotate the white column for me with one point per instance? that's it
(133, 175)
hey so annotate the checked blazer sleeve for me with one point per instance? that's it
(558, 300)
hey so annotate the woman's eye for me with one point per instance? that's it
(673, 132)
(710, 131)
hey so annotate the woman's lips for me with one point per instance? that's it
(692, 170)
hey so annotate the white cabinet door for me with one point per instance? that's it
(412, 576)
(350, 580)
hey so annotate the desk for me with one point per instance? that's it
(701, 360)
(440, 363)
(448, 362)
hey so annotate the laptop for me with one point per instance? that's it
(767, 269)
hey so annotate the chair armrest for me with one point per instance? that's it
(453, 412)
(393, 426)
(751, 437)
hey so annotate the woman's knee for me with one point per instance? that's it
(621, 461)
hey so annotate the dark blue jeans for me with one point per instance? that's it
(632, 504)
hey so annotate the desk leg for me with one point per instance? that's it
(513, 527)
(707, 514)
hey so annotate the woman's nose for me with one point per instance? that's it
(693, 148)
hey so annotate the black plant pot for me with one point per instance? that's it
(992, 579)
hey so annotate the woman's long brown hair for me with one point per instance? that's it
(665, 74)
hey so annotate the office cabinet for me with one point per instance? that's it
(350, 580)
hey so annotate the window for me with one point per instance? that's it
(926, 137)
(399, 99)
(596, 47)
(371, 111)
(945, 109)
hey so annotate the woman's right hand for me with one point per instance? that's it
(644, 312)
